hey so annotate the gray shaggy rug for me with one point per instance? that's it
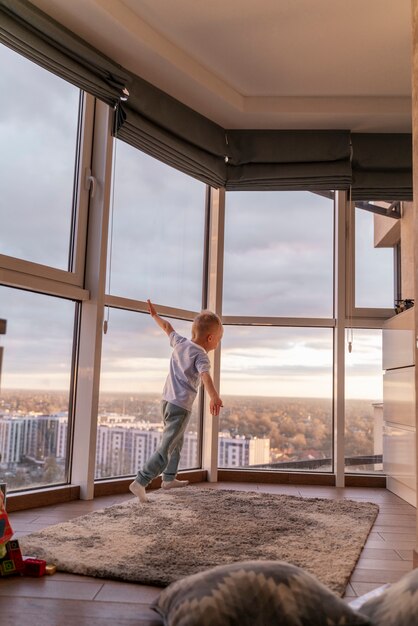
(188, 530)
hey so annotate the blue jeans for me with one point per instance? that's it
(166, 458)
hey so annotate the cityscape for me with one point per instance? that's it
(257, 432)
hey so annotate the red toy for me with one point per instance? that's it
(34, 567)
(6, 531)
(12, 562)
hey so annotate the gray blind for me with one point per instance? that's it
(237, 159)
(32, 33)
(288, 159)
(382, 166)
(165, 128)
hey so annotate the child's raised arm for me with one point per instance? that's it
(166, 326)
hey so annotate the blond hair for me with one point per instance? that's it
(205, 323)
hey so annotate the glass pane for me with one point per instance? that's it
(364, 403)
(278, 254)
(35, 388)
(374, 267)
(38, 139)
(135, 360)
(276, 387)
(158, 232)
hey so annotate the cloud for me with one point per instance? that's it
(158, 232)
(278, 254)
(277, 359)
(38, 132)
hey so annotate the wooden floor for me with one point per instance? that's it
(69, 600)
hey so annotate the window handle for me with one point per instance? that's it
(90, 182)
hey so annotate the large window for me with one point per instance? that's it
(135, 363)
(276, 373)
(276, 385)
(156, 251)
(276, 381)
(364, 402)
(278, 254)
(35, 388)
(158, 232)
(38, 137)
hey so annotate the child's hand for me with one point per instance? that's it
(215, 405)
(151, 308)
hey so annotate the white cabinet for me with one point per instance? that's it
(399, 454)
(399, 438)
(398, 343)
(399, 396)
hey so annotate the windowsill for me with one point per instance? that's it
(299, 478)
(41, 497)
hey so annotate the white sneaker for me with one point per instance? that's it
(174, 484)
(138, 491)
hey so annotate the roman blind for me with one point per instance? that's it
(32, 33)
(376, 166)
(166, 129)
(382, 166)
(288, 159)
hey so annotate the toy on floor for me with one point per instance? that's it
(12, 561)
(6, 532)
(34, 567)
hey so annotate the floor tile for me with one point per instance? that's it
(407, 555)
(65, 612)
(48, 588)
(394, 535)
(66, 577)
(127, 592)
(375, 576)
(361, 588)
(394, 509)
(380, 553)
(400, 530)
(399, 544)
(380, 564)
(401, 521)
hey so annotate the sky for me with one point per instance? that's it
(278, 261)
(38, 126)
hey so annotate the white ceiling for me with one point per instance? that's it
(265, 63)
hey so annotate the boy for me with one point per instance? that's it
(188, 365)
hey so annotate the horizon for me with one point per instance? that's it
(156, 393)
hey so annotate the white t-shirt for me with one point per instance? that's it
(187, 362)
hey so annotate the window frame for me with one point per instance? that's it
(69, 283)
(269, 320)
(352, 311)
(72, 388)
(140, 306)
(306, 322)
